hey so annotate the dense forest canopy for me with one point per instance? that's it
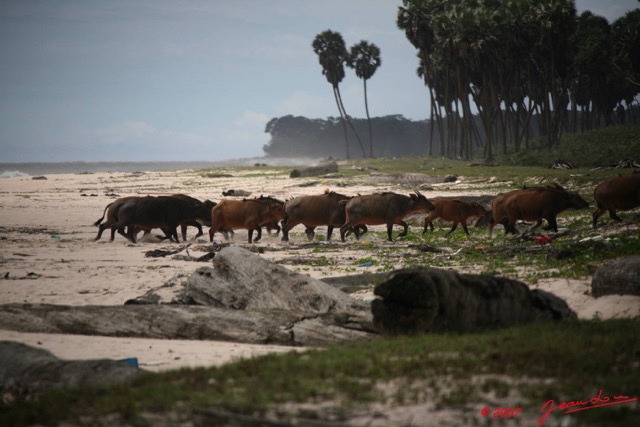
(497, 72)
(301, 136)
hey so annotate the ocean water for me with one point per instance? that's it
(35, 169)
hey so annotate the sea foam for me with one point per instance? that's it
(12, 174)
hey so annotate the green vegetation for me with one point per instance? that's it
(522, 366)
(586, 149)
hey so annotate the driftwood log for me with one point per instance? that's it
(618, 277)
(435, 300)
(242, 298)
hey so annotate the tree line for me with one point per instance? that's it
(497, 72)
(302, 136)
(513, 59)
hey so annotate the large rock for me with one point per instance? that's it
(435, 300)
(26, 371)
(618, 277)
(242, 280)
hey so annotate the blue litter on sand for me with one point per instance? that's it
(366, 264)
(131, 361)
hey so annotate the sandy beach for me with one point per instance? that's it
(48, 255)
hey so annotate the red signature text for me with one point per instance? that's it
(581, 405)
(500, 412)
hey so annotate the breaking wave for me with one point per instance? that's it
(12, 174)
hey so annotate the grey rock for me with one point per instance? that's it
(618, 277)
(435, 300)
(27, 371)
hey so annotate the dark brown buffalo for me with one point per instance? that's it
(534, 204)
(455, 211)
(111, 213)
(164, 212)
(619, 193)
(250, 214)
(112, 209)
(313, 211)
(204, 217)
(383, 208)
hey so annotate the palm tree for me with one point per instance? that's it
(364, 58)
(332, 55)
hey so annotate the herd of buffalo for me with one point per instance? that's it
(353, 214)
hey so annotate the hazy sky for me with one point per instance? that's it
(134, 80)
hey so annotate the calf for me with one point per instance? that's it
(535, 204)
(250, 214)
(455, 211)
(383, 208)
(313, 211)
(619, 193)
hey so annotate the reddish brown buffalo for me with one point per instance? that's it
(313, 211)
(498, 210)
(455, 211)
(534, 204)
(250, 214)
(619, 193)
(383, 208)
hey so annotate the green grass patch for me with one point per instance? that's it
(560, 361)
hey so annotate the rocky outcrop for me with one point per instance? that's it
(618, 277)
(434, 300)
(26, 371)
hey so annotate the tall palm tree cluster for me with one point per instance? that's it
(520, 62)
(363, 57)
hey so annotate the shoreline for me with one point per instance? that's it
(48, 255)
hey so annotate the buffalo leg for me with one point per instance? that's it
(453, 228)
(466, 230)
(427, 225)
(101, 229)
(286, 227)
(343, 231)
(613, 215)
(259, 232)
(405, 231)
(390, 231)
(131, 233)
